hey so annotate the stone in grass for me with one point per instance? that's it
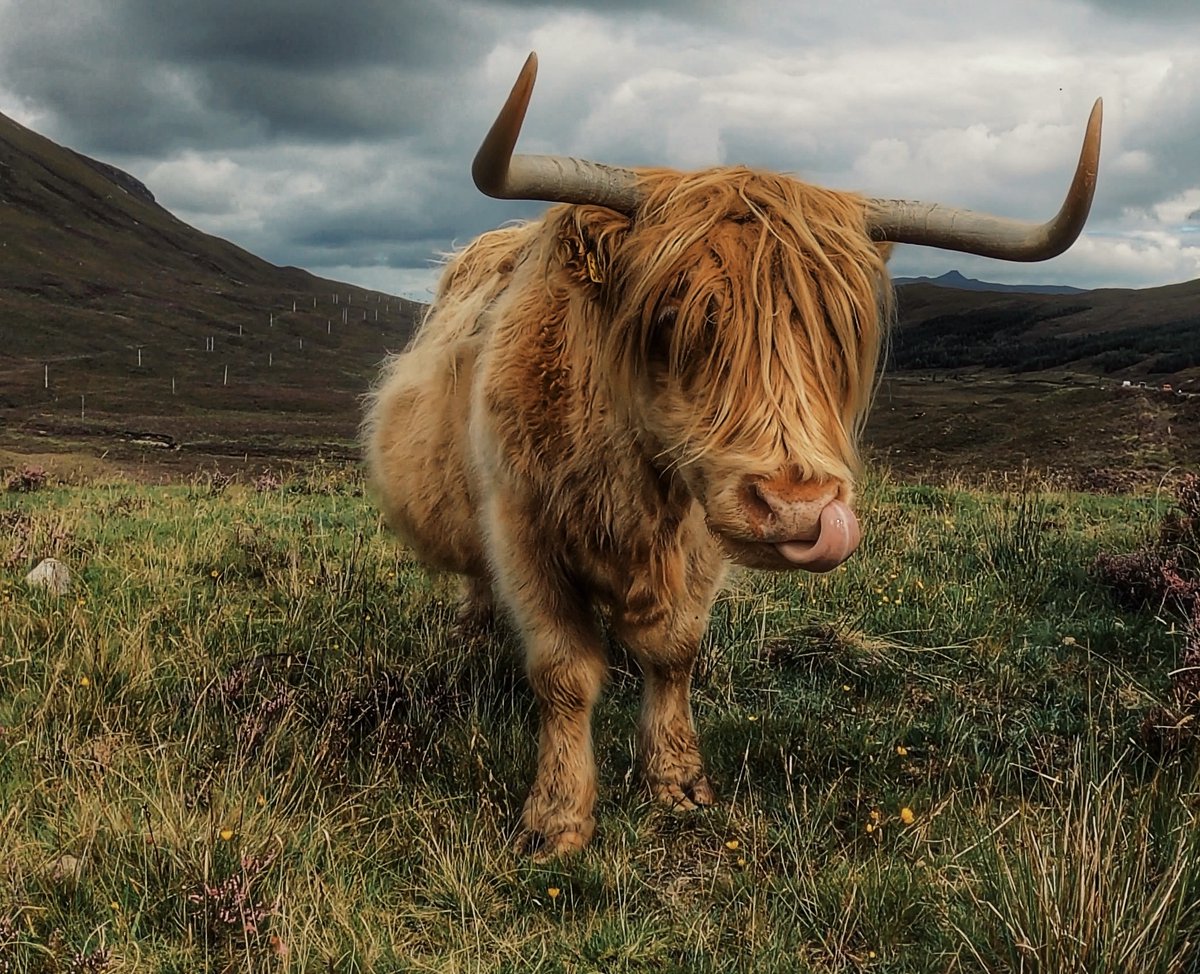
(65, 869)
(51, 575)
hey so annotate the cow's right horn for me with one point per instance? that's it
(933, 225)
(560, 179)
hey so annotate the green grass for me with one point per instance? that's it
(248, 741)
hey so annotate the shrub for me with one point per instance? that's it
(30, 478)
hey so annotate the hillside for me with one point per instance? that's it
(235, 353)
(1153, 333)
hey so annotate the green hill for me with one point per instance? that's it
(236, 355)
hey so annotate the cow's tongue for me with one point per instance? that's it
(838, 538)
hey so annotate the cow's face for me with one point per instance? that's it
(748, 344)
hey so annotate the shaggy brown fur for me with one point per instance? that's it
(601, 411)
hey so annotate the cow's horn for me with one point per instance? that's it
(933, 225)
(561, 179)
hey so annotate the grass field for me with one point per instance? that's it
(248, 742)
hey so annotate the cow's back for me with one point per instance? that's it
(416, 430)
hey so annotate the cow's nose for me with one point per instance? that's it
(787, 508)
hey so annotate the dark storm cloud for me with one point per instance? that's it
(339, 133)
(298, 34)
(149, 76)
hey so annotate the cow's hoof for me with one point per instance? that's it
(543, 847)
(685, 796)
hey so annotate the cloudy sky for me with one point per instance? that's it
(337, 136)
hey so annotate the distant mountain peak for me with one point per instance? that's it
(958, 281)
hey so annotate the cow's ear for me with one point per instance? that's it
(589, 241)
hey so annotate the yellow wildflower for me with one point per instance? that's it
(226, 834)
(902, 750)
(732, 844)
(907, 816)
(553, 892)
(84, 681)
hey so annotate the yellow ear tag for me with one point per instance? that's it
(593, 269)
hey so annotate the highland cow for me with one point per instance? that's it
(607, 406)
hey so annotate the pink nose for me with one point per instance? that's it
(784, 509)
(804, 519)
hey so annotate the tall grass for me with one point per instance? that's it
(249, 740)
(1108, 883)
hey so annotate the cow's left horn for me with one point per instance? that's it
(933, 225)
(560, 179)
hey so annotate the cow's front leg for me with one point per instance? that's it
(665, 639)
(566, 668)
(566, 665)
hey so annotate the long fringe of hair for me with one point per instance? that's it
(777, 303)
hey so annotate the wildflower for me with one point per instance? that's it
(553, 892)
(214, 573)
(84, 681)
(902, 750)
(907, 816)
(752, 716)
(741, 861)
(732, 844)
(846, 687)
(871, 827)
(115, 905)
(226, 834)
(875, 815)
